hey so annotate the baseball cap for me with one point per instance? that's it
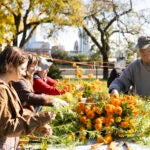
(43, 64)
(143, 42)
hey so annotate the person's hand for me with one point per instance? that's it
(79, 87)
(58, 101)
(46, 130)
(52, 115)
(48, 100)
(114, 92)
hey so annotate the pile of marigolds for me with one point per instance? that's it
(115, 118)
(93, 115)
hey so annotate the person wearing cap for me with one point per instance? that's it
(44, 84)
(137, 74)
(24, 89)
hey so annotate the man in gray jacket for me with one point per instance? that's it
(137, 74)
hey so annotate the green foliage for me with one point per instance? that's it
(95, 57)
(80, 58)
(143, 124)
(21, 16)
(54, 72)
(60, 54)
(65, 126)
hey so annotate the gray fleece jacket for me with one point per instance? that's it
(136, 75)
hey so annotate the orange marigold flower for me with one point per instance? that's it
(109, 121)
(116, 102)
(78, 74)
(108, 139)
(81, 106)
(132, 122)
(90, 75)
(87, 109)
(66, 80)
(122, 99)
(79, 111)
(115, 96)
(124, 124)
(79, 99)
(90, 100)
(103, 119)
(130, 131)
(118, 119)
(109, 108)
(131, 106)
(98, 126)
(118, 110)
(83, 119)
(93, 87)
(128, 97)
(97, 110)
(74, 65)
(98, 120)
(90, 114)
(135, 112)
(100, 139)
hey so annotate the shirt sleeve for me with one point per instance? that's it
(26, 95)
(51, 81)
(42, 87)
(12, 123)
(123, 83)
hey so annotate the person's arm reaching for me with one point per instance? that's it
(27, 96)
(41, 87)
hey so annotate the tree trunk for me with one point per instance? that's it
(15, 42)
(105, 69)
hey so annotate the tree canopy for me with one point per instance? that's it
(20, 16)
(104, 19)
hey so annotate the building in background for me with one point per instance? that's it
(81, 43)
(84, 44)
(76, 47)
(41, 48)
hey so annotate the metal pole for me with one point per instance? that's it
(96, 72)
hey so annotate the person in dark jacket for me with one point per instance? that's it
(115, 73)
